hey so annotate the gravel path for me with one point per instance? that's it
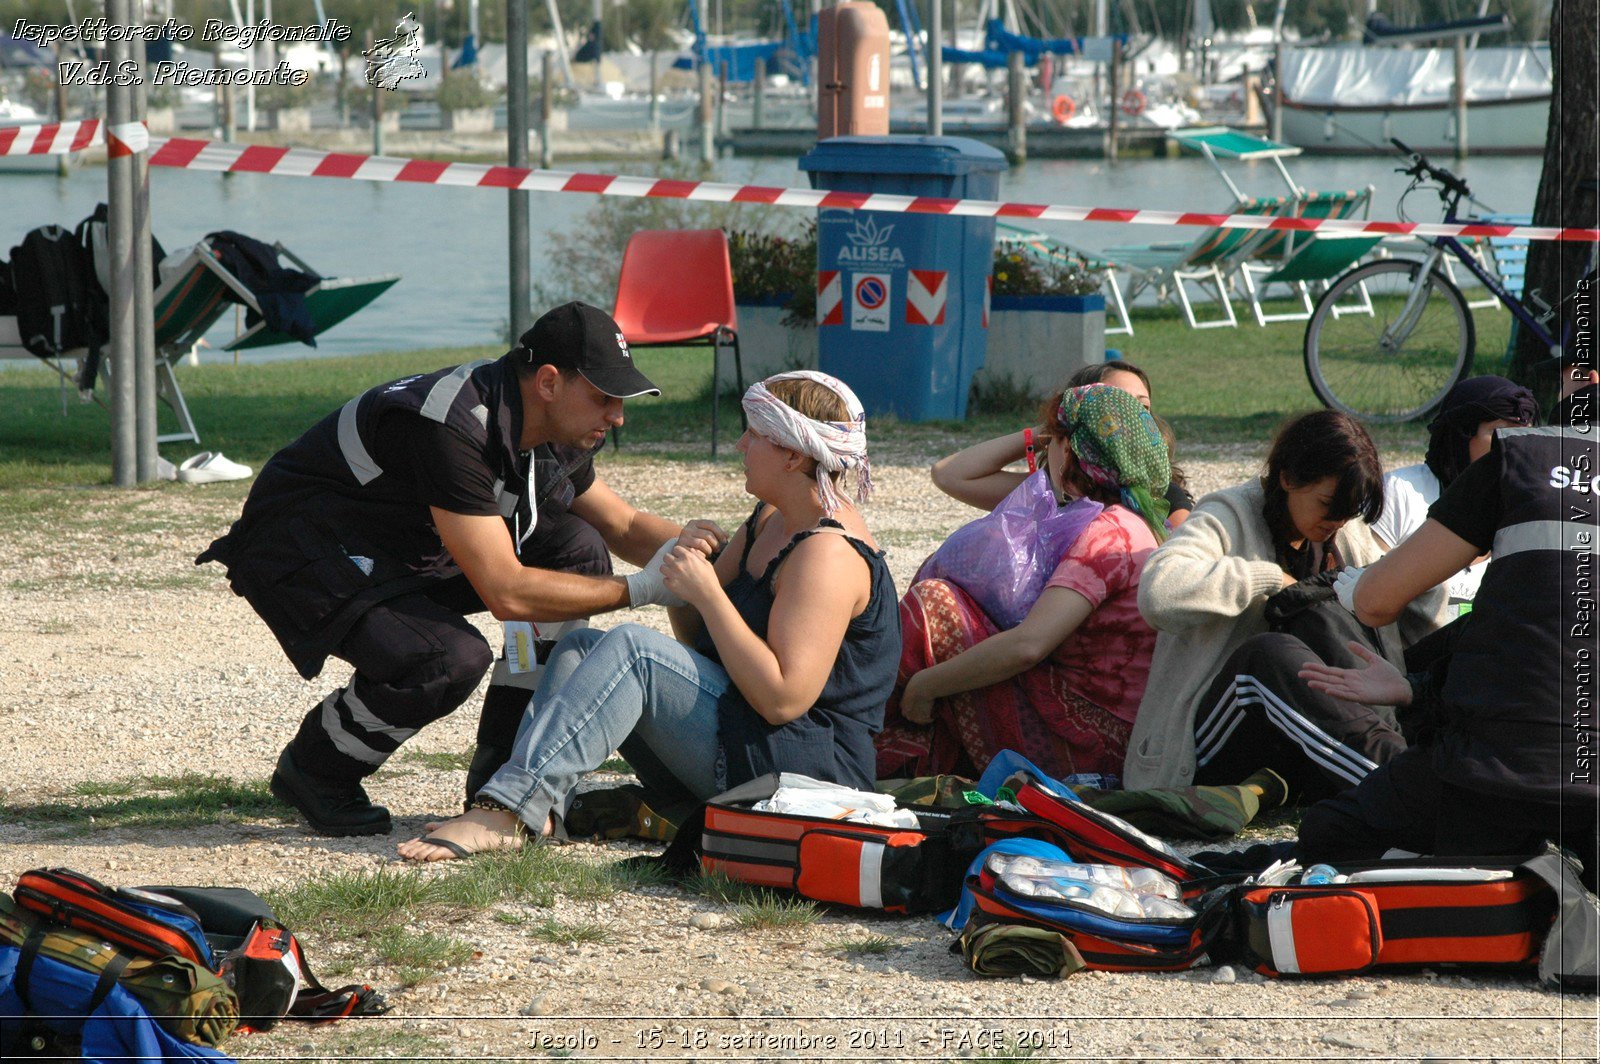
(120, 661)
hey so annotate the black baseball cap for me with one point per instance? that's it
(585, 338)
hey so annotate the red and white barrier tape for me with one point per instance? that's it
(187, 154)
(57, 139)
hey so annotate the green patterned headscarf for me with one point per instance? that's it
(1118, 447)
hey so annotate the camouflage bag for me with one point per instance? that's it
(187, 999)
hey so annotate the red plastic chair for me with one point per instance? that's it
(676, 289)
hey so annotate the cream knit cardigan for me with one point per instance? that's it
(1204, 591)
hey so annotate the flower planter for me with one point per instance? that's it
(467, 120)
(766, 344)
(1037, 342)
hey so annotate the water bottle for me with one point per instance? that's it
(1319, 875)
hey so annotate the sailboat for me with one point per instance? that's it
(1354, 98)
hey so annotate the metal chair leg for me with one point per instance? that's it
(738, 378)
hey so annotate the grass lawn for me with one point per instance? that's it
(1216, 386)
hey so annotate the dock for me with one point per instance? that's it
(1045, 141)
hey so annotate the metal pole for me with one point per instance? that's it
(655, 91)
(1277, 91)
(226, 103)
(119, 235)
(250, 62)
(722, 99)
(1016, 114)
(1115, 102)
(547, 151)
(63, 162)
(144, 337)
(377, 108)
(344, 87)
(935, 68)
(758, 94)
(708, 147)
(377, 119)
(520, 316)
(599, 48)
(1460, 94)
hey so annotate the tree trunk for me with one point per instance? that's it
(1571, 158)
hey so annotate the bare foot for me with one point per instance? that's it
(475, 831)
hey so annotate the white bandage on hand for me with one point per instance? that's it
(1344, 586)
(647, 588)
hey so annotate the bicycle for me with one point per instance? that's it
(1389, 338)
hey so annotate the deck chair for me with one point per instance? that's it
(1300, 260)
(191, 299)
(196, 293)
(1206, 261)
(676, 289)
(1211, 258)
(1508, 255)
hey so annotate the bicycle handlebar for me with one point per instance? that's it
(1421, 167)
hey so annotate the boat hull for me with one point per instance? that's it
(1511, 127)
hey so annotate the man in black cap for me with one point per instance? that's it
(372, 536)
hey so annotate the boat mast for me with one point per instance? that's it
(561, 44)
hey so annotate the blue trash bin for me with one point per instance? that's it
(900, 297)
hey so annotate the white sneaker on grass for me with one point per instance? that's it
(210, 466)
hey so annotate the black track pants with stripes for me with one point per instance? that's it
(417, 658)
(1258, 713)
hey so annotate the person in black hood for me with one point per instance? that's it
(373, 536)
(1458, 435)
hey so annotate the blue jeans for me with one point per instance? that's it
(630, 688)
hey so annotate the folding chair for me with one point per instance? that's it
(1211, 258)
(675, 290)
(195, 295)
(1301, 259)
(1206, 261)
(190, 300)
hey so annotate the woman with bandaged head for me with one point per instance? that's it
(785, 653)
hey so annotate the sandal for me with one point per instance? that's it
(458, 850)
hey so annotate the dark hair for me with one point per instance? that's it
(1316, 446)
(1095, 373)
(1466, 406)
(524, 365)
(1170, 438)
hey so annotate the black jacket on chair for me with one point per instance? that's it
(279, 290)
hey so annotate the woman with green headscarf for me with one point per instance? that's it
(1060, 686)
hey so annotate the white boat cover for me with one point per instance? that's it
(1357, 76)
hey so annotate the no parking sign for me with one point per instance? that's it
(869, 302)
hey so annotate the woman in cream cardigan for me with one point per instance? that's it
(1205, 592)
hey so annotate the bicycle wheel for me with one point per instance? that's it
(1358, 363)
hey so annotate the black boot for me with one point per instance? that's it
(332, 807)
(503, 708)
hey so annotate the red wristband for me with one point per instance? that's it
(1027, 449)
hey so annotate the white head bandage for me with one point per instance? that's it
(836, 445)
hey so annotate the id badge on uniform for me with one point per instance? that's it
(519, 646)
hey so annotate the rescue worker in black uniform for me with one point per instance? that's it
(1506, 758)
(372, 536)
